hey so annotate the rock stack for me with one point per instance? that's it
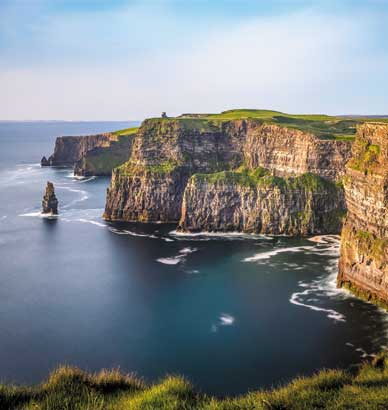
(50, 201)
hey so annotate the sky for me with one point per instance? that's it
(132, 59)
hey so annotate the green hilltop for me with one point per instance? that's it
(321, 125)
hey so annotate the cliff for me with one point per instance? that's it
(167, 152)
(92, 154)
(363, 264)
(290, 151)
(253, 201)
(69, 150)
(102, 160)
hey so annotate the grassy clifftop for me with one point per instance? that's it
(72, 389)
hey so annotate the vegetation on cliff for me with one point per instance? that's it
(67, 388)
(126, 131)
(262, 177)
(323, 126)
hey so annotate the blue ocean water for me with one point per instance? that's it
(230, 312)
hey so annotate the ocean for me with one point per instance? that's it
(233, 313)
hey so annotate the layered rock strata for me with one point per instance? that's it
(50, 201)
(102, 160)
(92, 154)
(363, 266)
(241, 201)
(69, 150)
(167, 152)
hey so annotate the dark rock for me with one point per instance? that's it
(45, 162)
(50, 201)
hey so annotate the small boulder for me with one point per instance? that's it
(50, 201)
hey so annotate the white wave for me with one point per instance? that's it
(325, 286)
(174, 260)
(40, 215)
(188, 250)
(269, 254)
(217, 235)
(131, 233)
(296, 299)
(80, 178)
(90, 221)
(194, 271)
(168, 239)
(171, 261)
(83, 195)
(226, 320)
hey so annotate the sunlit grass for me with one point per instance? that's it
(69, 388)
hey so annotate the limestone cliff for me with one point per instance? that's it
(92, 154)
(290, 151)
(69, 150)
(167, 152)
(253, 201)
(363, 266)
(102, 160)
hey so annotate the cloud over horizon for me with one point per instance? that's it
(134, 60)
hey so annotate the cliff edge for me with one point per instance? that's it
(363, 266)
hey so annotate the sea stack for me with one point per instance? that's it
(50, 201)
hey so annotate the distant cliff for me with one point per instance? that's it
(363, 266)
(92, 154)
(69, 150)
(156, 181)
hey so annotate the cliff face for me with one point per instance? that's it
(293, 206)
(150, 186)
(69, 150)
(167, 152)
(102, 160)
(289, 151)
(363, 264)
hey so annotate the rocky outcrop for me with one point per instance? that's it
(50, 201)
(69, 150)
(246, 202)
(363, 266)
(167, 152)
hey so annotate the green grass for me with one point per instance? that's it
(262, 177)
(323, 126)
(161, 168)
(366, 156)
(126, 131)
(68, 388)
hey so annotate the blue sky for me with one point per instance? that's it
(129, 59)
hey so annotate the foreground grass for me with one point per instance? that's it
(69, 388)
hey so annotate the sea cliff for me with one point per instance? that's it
(92, 154)
(363, 266)
(253, 201)
(161, 179)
